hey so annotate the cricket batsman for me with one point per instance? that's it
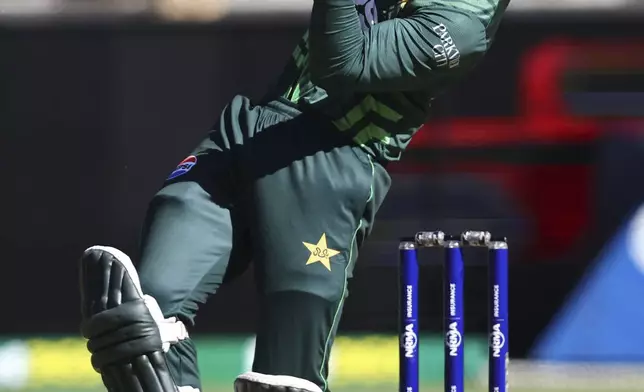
(290, 184)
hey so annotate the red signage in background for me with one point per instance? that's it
(544, 156)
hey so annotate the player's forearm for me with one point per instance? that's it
(424, 50)
(336, 43)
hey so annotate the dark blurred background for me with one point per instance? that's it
(543, 143)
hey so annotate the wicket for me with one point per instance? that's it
(453, 308)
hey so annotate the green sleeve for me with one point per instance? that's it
(417, 52)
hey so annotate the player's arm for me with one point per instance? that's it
(413, 53)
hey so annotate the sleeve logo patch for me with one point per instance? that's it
(446, 53)
(183, 167)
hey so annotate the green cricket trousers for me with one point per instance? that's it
(285, 191)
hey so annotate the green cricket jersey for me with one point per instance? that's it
(374, 73)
